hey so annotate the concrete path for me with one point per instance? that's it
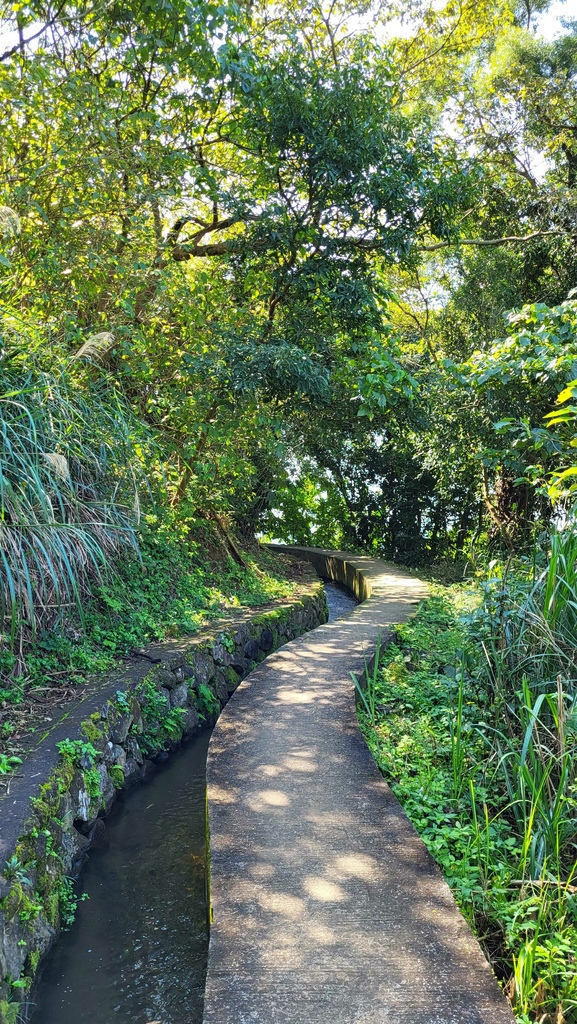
(327, 908)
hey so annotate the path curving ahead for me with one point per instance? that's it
(327, 908)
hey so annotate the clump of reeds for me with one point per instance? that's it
(473, 719)
(68, 493)
(529, 668)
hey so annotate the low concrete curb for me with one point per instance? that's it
(326, 906)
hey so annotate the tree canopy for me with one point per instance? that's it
(286, 241)
(307, 271)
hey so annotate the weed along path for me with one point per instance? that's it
(326, 906)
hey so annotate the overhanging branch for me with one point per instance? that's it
(505, 240)
(22, 43)
(193, 247)
(229, 247)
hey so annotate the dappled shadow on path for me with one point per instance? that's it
(327, 907)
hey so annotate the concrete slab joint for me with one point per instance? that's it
(326, 906)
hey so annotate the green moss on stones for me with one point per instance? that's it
(116, 773)
(52, 907)
(63, 777)
(51, 792)
(9, 1012)
(92, 729)
(18, 902)
(33, 961)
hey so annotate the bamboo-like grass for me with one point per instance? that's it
(531, 670)
(68, 493)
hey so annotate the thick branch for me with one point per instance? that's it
(228, 247)
(490, 241)
(188, 249)
(190, 246)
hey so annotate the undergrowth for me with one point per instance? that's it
(181, 582)
(473, 721)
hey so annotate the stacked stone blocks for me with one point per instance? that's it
(116, 745)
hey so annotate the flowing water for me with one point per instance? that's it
(136, 953)
(137, 949)
(339, 599)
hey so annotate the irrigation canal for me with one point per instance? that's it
(136, 953)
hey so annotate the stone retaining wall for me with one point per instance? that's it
(66, 786)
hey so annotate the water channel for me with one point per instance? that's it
(136, 953)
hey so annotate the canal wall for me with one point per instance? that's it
(130, 718)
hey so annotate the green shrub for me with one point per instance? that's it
(478, 738)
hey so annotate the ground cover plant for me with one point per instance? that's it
(182, 579)
(473, 720)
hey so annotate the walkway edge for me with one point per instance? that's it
(340, 566)
(327, 907)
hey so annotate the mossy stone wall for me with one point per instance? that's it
(111, 744)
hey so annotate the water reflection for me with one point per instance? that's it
(137, 950)
(339, 599)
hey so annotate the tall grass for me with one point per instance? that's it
(481, 748)
(528, 632)
(68, 493)
(531, 625)
(367, 686)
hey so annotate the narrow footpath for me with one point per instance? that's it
(327, 908)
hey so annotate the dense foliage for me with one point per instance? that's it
(305, 271)
(472, 719)
(286, 244)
